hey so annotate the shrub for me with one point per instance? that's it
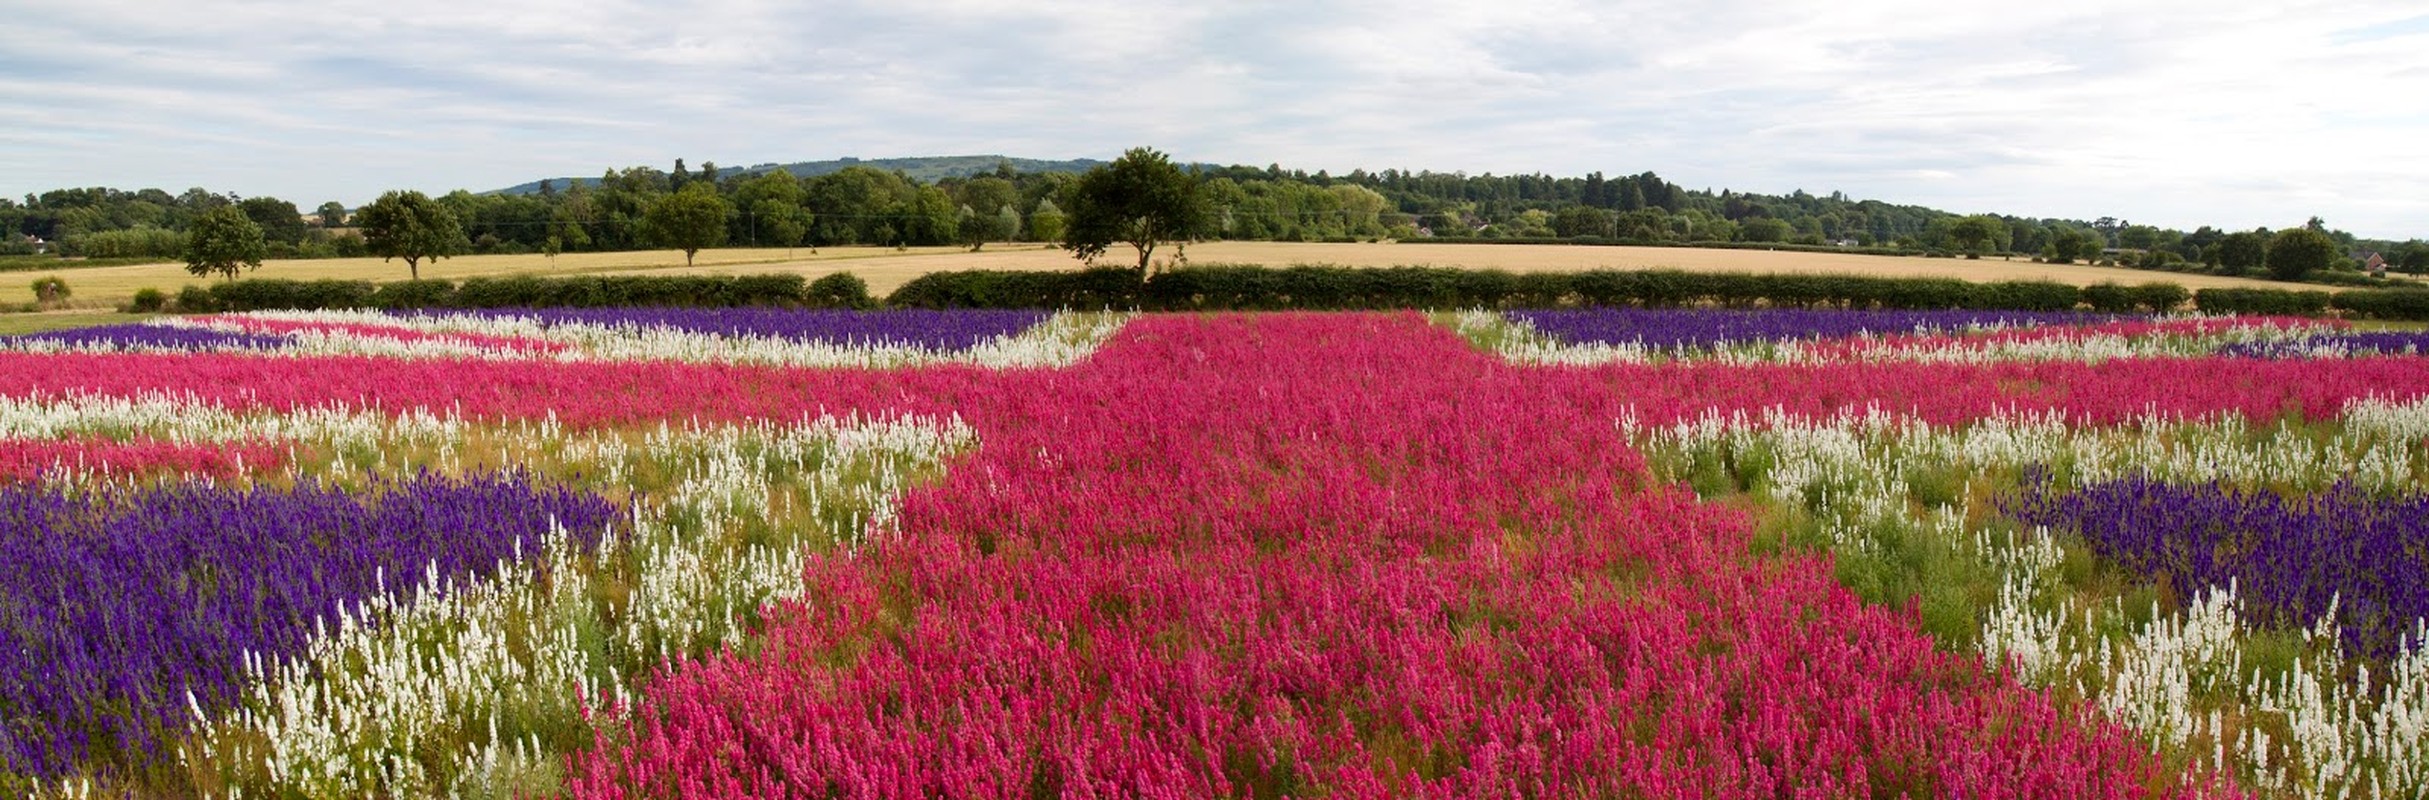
(2109, 298)
(2383, 303)
(147, 300)
(2160, 298)
(196, 300)
(50, 291)
(839, 290)
(2275, 302)
(414, 294)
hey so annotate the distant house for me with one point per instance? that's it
(2374, 264)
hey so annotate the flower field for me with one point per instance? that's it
(1627, 553)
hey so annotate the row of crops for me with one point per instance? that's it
(1626, 552)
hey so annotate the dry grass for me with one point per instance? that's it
(886, 268)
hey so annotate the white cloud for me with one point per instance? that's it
(2174, 112)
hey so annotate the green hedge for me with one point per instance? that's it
(2271, 302)
(2410, 304)
(1600, 241)
(525, 291)
(1108, 287)
(2158, 298)
(1230, 288)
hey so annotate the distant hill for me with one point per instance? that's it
(925, 169)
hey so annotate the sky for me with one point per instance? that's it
(2175, 113)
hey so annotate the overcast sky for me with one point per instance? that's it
(2168, 112)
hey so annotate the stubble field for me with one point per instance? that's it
(886, 268)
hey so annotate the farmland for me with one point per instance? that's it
(1603, 552)
(886, 268)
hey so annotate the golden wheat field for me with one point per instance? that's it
(887, 268)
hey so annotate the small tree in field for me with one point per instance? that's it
(690, 219)
(224, 241)
(411, 226)
(1976, 233)
(1141, 199)
(2295, 253)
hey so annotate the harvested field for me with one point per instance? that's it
(887, 268)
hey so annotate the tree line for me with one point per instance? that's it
(861, 205)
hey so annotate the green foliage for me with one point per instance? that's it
(2297, 252)
(274, 293)
(2161, 298)
(2068, 243)
(196, 300)
(1216, 287)
(2271, 302)
(2411, 304)
(1763, 229)
(2111, 298)
(1978, 233)
(414, 294)
(129, 243)
(280, 222)
(517, 291)
(50, 291)
(689, 220)
(2242, 251)
(1141, 199)
(2157, 298)
(1097, 288)
(223, 241)
(147, 300)
(838, 290)
(411, 226)
(1047, 222)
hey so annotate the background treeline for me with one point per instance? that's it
(1229, 288)
(858, 204)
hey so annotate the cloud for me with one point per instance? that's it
(2174, 112)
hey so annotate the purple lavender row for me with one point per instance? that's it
(938, 330)
(2289, 559)
(116, 602)
(1663, 328)
(2385, 342)
(134, 335)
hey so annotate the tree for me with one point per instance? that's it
(1763, 229)
(279, 220)
(1581, 220)
(690, 219)
(771, 204)
(1976, 233)
(2241, 250)
(2296, 252)
(978, 229)
(1141, 199)
(411, 226)
(225, 241)
(332, 214)
(1046, 221)
(2067, 243)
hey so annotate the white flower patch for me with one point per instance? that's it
(1062, 339)
(2352, 735)
(1518, 341)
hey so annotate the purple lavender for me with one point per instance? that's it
(2288, 558)
(137, 335)
(2386, 343)
(1684, 329)
(116, 602)
(937, 330)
